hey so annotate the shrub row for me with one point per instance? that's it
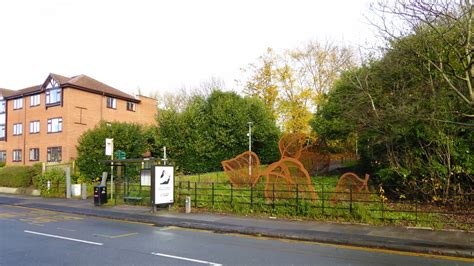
(19, 176)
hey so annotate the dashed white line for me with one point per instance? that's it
(62, 237)
(187, 259)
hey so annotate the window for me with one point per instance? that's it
(2, 107)
(2, 132)
(55, 125)
(3, 156)
(34, 127)
(17, 155)
(53, 96)
(131, 106)
(34, 154)
(35, 100)
(54, 154)
(17, 104)
(17, 129)
(111, 103)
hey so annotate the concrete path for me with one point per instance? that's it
(450, 243)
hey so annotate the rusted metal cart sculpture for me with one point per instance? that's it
(351, 188)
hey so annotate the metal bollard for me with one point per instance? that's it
(187, 204)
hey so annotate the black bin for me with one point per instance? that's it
(100, 195)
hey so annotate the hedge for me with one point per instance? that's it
(18, 176)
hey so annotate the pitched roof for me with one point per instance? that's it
(81, 82)
(90, 84)
(6, 92)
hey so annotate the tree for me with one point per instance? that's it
(214, 128)
(134, 139)
(446, 23)
(292, 83)
(411, 133)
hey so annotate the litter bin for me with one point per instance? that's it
(100, 195)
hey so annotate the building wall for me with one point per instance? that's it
(88, 109)
(80, 111)
(26, 140)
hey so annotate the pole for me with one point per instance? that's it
(112, 173)
(164, 156)
(250, 148)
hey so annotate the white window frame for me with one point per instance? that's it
(17, 154)
(55, 125)
(17, 103)
(3, 106)
(36, 153)
(53, 96)
(34, 127)
(17, 129)
(111, 102)
(2, 131)
(50, 154)
(131, 106)
(35, 100)
(3, 156)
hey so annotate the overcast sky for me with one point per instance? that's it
(162, 45)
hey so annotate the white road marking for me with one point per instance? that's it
(187, 259)
(62, 237)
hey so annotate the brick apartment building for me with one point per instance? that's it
(43, 123)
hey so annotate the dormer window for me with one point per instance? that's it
(53, 93)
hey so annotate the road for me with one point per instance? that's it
(37, 237)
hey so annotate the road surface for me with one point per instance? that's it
(38, 237)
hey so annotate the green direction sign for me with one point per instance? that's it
(120, 155)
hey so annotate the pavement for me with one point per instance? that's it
(418, 240)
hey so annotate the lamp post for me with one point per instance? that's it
(250, 148)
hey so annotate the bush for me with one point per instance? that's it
(57, 178)
(128, 137)
(17, 176)
(37, 167)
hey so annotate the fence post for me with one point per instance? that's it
(416, 212)
(179, 192)
(195, 195)
(350, 199)
(251, 197)
(217, 177)
(273, 197)
(297, 203)
(383, 218)
(231, 195)
(322, 198)
(212, 194)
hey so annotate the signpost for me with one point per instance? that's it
(109, 151)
